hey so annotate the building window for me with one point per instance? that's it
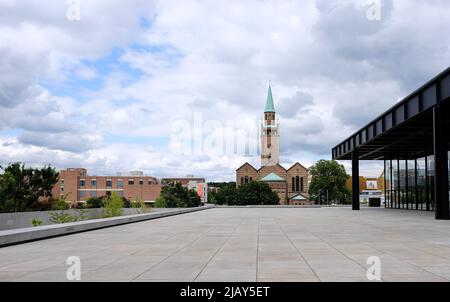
(297, 184)
(150, 182)
(62, 182)
(120, 193)
(293, 184)
(120, 184)
(131, 182)
(302, 189)
(62, 189)
(82, 194)
(82, 183)
(109, 184)
(94, 194)
(93, 183)
(242, 180)
(141, 182)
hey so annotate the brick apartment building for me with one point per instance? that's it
(80, 187)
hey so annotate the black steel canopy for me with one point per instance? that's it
(405, 130)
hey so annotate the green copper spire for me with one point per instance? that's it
(269, 105)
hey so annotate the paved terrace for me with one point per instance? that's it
(229, 244)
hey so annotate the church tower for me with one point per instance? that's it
(270, 136)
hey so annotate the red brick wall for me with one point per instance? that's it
(148, 191)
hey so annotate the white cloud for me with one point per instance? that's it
(332, 71)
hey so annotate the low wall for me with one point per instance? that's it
(11, 221)
(18, 236)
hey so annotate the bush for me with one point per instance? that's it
(36, 222)
(113, 206)
(160, 202)
(61, 217)
(95, 202)
(126, 202)
(44, 204)
(139, 204)
(61, 204)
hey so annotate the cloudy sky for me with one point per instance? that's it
(107, 86)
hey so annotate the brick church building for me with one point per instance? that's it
(290, 184)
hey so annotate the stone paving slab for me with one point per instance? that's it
(246, 244)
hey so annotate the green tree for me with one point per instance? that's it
(61, 204)
(139, 203)
(328, 179)
(113, 206)
(174, 195)
(256, 193)
(344, 196)
(226, 195)
(22, 188)
(95, 202)
(194, 200)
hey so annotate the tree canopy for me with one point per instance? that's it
(328, 177)
(256, 193)
(253, 193)
(21, 188)
(174, 195)
(226, 195)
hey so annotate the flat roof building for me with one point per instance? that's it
(79, 186)
(412, 139)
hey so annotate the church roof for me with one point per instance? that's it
(298, 197)
(272, 177)
(269, 104)
(248, 165)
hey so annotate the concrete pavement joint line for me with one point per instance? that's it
(126, 256)
(398, 259)
(174, 253)
(300, 253)
(37, 258)
(406, 261)
(218, 250)
(343, 254)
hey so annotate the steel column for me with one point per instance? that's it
(441, 163)
(355, 180)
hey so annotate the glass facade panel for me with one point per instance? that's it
(410, 183)
(387, 178)
(421, 184)
(395, 184)
(402, 184)
(431, 173)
